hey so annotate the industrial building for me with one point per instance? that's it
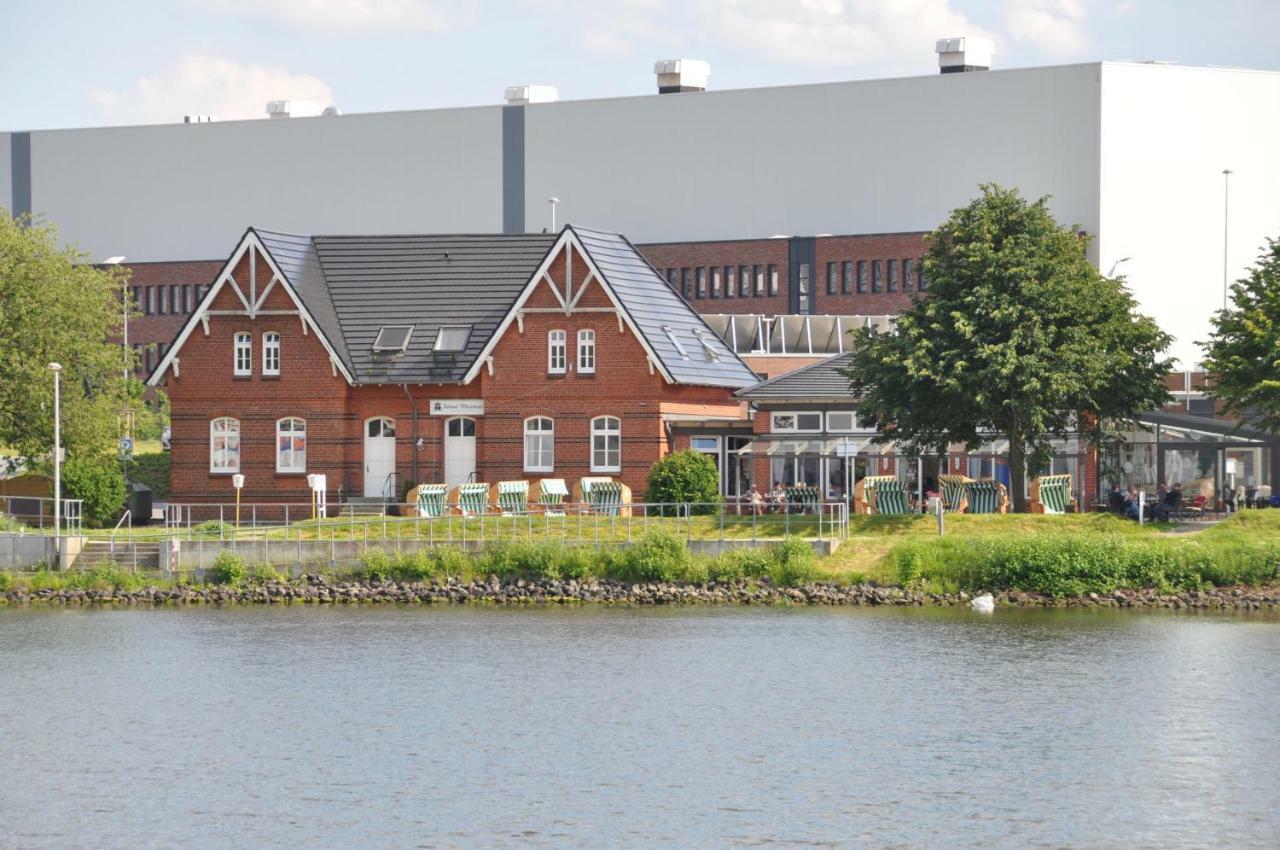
(1131, 152)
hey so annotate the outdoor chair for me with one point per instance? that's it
(954, 497)
(512, 497)
(864, 492)
(986, 497)
(1051, 494)
(889, 497)
(470, 499)
(431, 499)
(604, 496)
(552, 493)
(803, 499)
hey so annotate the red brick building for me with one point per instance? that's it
(164, 294)
(386, 361)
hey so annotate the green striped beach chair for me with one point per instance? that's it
(552, 493)
(1051, 494)
(431, 499)
(805, 499)
(513, 497)
(889, 498)
(985, 497)
(604, 495)
(471, 499)
(953, 491)
(864, 492)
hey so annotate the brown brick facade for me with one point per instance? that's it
(519, 387)
(164, 294)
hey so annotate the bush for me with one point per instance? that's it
(99, 482)
(152, 469)
(734, 565)
(685, 476)
(264, 573)
(107, 575)
(578, 563)
(377, 565)
(215, 528)
(228, 568)
(6, 580)
(658, 556)
(522, 560)
(794, 563)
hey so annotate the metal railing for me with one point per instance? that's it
(36, 512)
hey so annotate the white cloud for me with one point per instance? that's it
(344, 17)
(1056, 27)
(208, 85)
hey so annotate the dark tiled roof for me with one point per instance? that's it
(358, 284)
(657, 309)
(355, 285)
(820, 380)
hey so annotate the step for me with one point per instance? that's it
(144, 554)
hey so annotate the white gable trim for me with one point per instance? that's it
(249, 243)
(567, 238)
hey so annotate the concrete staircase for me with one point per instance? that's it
(364, 506)
(144, 554)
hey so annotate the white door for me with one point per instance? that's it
(379, 455)
(459, 450)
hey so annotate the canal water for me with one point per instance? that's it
(593, 727)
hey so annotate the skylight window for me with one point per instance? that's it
(671, 335)
(452, 338)
(708, 346)
(392, 339)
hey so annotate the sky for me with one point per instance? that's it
(117, 62)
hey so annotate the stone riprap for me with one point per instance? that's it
(317, 589)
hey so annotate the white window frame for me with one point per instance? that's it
(556, 351)
(586, 352)
(271, 353)
(546, 445)
(243, 357)
(601, 430)
(224, 434)
(831, 427)
(297, 458)
(795, 427)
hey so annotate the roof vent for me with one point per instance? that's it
(293, 109)
(522, 95)
(199, 119)
(392, 339)
(677, 75)
(957, 55)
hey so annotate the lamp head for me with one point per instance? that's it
(237, 480)
(55, 367)
(113, 261)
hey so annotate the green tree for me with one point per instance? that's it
(1019, 336)
(54, 306)
(1243, 350)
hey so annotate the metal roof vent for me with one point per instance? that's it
(199, 119)
(523, 95)
(957, 55)
(293, 109)
(677, 75)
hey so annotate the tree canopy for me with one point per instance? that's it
(55, 307)
(1019, 337)
(1243, 350)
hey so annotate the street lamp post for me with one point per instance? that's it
(1226, 216)
(56, 368)
(554, 203)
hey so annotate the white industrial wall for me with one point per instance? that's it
(178, 191)
(1167, 133)
(856, 157)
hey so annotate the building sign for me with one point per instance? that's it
(457, 407)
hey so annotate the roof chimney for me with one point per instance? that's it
(677, 75)
(523, 95)
(957, 55)
(293, 109)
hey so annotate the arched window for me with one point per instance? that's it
(271, 353)
(606, 444)
(586, 352)
(244, 354)
(224, 445)
(555, 352)
(291, 445)
(539, 444)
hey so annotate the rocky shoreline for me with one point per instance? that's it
(317, 589)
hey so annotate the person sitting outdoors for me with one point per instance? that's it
(756, 499)
(1132, 503)
(1116, 501)
(1169, 505)
(777, 497)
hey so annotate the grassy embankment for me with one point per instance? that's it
(1060, 556)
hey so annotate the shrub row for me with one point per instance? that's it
(1061, 564)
